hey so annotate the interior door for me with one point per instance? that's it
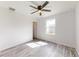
(34, 30)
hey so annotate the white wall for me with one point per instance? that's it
(15, 28)
(77, 28)
(65, 29)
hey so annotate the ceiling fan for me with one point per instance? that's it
(40, 8)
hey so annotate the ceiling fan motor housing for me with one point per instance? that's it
(39, 7)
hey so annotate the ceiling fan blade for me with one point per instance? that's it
(34, 12)
(46, 10)
(33, 7)
(45, 4)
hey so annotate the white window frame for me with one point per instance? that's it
(50, 23)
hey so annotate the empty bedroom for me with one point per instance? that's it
(39, 28)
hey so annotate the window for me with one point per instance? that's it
(50, 26)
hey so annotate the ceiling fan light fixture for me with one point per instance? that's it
(39, 11)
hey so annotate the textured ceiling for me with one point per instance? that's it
(55, 6)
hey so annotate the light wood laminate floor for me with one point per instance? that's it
(39, 48)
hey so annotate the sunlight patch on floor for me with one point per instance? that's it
(41, 43)
(36, 44)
